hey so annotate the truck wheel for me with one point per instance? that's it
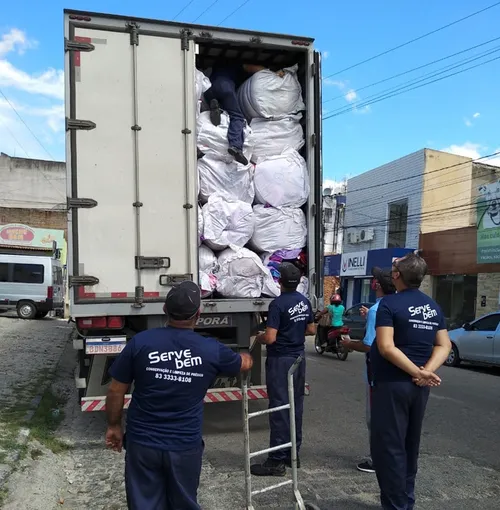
(26, 310)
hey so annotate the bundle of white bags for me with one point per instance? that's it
(272, 137)
(207, 269)
(282, 181)
(241, 274)
(227, 221)
(212, 140)
(227, 178)
(202, 84)
(270, 96)
(278, 229)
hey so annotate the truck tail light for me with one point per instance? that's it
(100, 322)
(50, 292)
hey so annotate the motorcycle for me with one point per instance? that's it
(332, 342)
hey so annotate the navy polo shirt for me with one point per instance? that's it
(416, 318)
(290, 314)
(172, 370)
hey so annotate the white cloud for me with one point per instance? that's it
(468, 123)
(351, 96)
(335, 186)
(474, 151)
(335, 83)
(36, 97)
(476, 115)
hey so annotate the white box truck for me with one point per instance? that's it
(132, 182)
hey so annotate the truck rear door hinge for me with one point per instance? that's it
(152, 262)
(314, 210)
(134, 33)
(77, 45)
(185, 35)
(313, 69)
(314, 139)
(84, 280)
(86, 125)
(81, 203)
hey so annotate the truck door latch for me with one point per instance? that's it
(152, 262)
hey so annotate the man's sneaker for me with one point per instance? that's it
(288, 462)
(215, 112)
(270, 467)
(366, 467)
(238, 155)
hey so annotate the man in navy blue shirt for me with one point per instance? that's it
(171, 368)
(289, 320)
(411, 344)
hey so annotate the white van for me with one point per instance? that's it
(31, 284)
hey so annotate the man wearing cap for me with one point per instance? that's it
(383, 286)
(411, 344)
(290, 319)
(172, 369)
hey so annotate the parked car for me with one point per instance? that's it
(31, 284)
(476, 342)
(355, 322)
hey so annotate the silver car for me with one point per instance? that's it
(476, 342)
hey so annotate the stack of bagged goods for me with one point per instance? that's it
(242, 274)
(202, 84)
(227, 221)
(296, 257)
(208, 266)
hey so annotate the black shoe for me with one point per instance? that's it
(269, 467)
(366, 467)
(215, 112)
(238, 155)
(288, 463)
(199, 153)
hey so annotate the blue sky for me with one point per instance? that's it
(459, 114)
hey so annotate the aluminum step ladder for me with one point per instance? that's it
(247, 416)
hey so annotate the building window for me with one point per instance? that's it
(27, 273)
(456, 295)
(365, 290)
(4, 272)
(397, 224)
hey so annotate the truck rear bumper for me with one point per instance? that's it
(213, 396)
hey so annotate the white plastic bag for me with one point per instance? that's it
(282, 181)
(267, 95)
(213, 139)
(242, 275)
(202, 84)
(278, 229)
(303, 287)
(230, 179)
(208, 266)
(200, 226)
(227, 221)
(272, 137)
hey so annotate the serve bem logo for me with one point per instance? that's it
(357, 262)
(298, 308)
(425, 310)
(183, 359)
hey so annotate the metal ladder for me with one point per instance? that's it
(247, 416)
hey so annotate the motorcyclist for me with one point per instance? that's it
(336, 310)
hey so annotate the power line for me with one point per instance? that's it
(27, 127)
(207, 9)
(182, 10)
(234, 12)
(412, 40)
(377, 100)
(414, 69)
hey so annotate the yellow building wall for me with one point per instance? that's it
(447, 198)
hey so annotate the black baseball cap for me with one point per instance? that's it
(289, 274)
(384, 278)
(183, 301)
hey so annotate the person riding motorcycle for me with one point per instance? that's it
(336, 310)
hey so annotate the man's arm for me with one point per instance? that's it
(365, 345)
(441, 351)
(273, 323)
(311, 329)
(268, 337)
(389, 351)
(355, 346)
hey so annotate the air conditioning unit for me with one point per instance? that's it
(361, 235)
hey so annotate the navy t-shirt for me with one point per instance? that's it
(290, 314)
(172, 370)
(416, 318)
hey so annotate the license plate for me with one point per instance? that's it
(104, 349)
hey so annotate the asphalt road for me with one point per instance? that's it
(459, 468)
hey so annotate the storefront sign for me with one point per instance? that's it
(488, 224)
(22, 235)
(353, 264)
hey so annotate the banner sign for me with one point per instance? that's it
(488, 224)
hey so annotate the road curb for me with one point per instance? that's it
(24, 432)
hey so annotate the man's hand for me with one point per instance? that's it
(363, 311)
(246, 362)
(346, 342)
(427, 378)
(114, 438)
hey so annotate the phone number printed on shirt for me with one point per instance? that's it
(175, 378)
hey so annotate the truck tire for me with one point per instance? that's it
(26, 310)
